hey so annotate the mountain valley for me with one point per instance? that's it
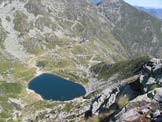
(107, 48)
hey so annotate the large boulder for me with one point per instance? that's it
(145, 108)
(151, 74)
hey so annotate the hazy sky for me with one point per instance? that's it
(146, 3)
(96, 1)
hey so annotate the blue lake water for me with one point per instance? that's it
(52, 87)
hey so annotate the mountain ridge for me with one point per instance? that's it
(152, 11)
(130, 24)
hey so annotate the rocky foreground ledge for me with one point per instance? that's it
(136, 99)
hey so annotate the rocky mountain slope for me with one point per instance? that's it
(74, 39)
(64, 32)
(135, 29)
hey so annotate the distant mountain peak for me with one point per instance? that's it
(156, 12)
(97, 2)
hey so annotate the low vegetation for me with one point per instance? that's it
(124, 69)
(10, 89)
(2, 36)
(20, 22)
(122, 101)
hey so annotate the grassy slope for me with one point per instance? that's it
(124, 69)
(14, 77)
(2, 35)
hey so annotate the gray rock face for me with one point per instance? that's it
(107, 98)
(145, 108)
(151, 74)
(110, 97)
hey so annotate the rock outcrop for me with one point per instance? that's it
(151, 74)
(145, 108)
(142, 95)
